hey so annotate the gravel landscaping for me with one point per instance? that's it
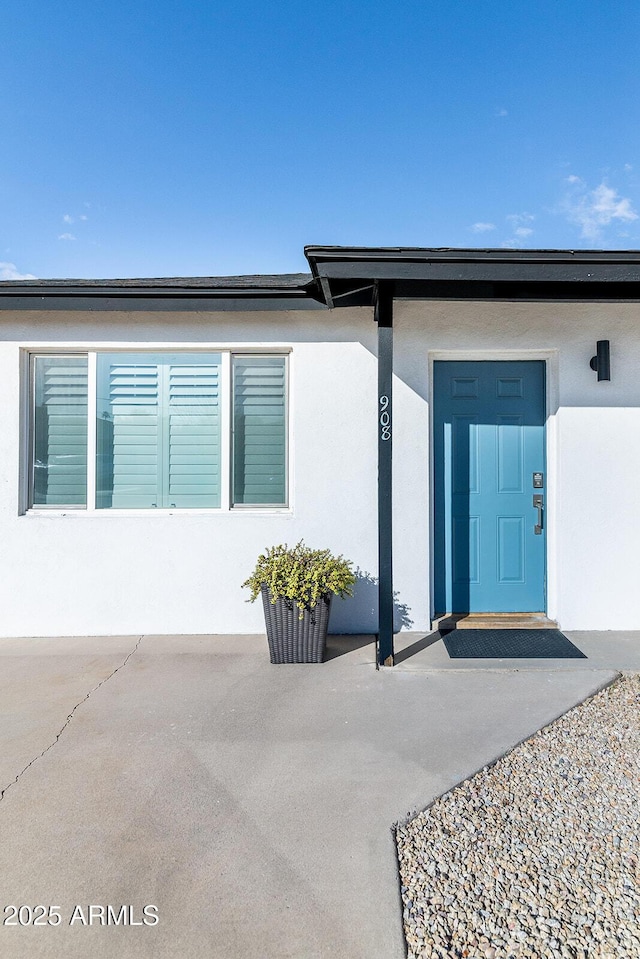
(537, 855)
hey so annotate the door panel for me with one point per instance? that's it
(489, 439)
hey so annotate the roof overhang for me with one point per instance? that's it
(297, 291)
(347, 275)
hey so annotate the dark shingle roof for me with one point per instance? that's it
(183, 293)
(277, 281)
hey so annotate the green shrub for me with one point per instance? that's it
(301, 574)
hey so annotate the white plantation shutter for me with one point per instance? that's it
(259, 430)
(157, 430)
(128, 440)
(158, 438)
(194, 434)
(60, 431)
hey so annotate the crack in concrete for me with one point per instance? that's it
(70, 717)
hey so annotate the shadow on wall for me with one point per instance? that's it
(359, 614)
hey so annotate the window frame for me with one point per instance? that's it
(31, 445)
(231, 419)
(228, 353)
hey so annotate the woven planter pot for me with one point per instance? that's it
(291, 639)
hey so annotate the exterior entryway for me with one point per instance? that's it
(489, 464)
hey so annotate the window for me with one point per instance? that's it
(59, 467)
(259, 427)
(146, 430)
(158, 430)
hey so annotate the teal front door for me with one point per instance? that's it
(489, 459)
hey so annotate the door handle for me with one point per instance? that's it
(538, 503)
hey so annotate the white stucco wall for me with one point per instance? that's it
(74, 573)
(593, 438)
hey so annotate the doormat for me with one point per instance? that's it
(509, 644)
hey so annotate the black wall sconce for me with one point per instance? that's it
(600, 362)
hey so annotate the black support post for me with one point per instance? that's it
(384, 318)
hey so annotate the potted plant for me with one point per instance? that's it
(297, 585)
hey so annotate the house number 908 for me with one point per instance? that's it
(385, 418)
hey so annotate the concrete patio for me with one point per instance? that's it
(252, 804)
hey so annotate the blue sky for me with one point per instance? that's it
(180, 137)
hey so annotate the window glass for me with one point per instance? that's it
(60, 431)
(158, 430)
(259, 431)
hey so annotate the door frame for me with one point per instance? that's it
(552, 363)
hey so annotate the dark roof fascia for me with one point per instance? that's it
(479, 254)
(420, 273)
(200, 294)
